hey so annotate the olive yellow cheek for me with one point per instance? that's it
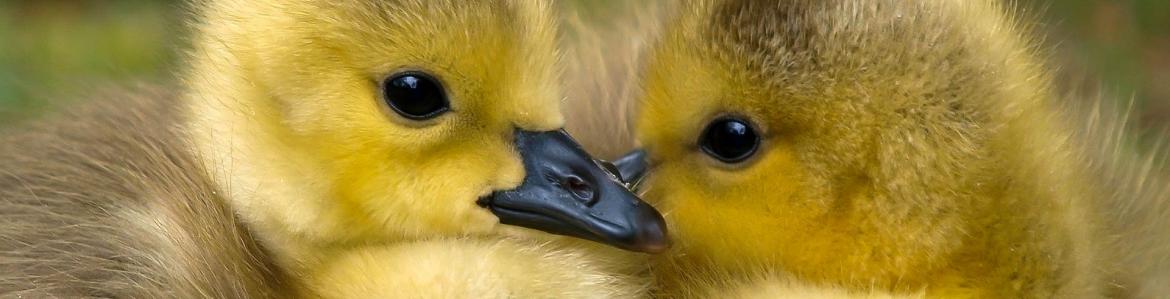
(774, 211)
(736, 215)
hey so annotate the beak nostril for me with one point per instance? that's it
(581, 189)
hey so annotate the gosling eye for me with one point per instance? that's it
(730, 140)
(415, 95)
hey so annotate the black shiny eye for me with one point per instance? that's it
(730, 140)
(415, 95)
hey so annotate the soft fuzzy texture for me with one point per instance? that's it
(306, 153)
(103, 200)
(478, 268)
(277, 171)
(911, 147)
(284, 103)
(604, 46)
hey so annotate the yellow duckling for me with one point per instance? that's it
(342, 149)
(884, 149)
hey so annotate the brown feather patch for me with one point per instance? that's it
(105, 200)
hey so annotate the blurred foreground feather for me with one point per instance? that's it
(602, 54)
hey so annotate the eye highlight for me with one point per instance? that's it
(730, 140)
(415, 95)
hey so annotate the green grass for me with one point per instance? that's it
(57, 49)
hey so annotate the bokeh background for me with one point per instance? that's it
(61, 49)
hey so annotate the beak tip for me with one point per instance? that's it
(633, 165)
(654, 246)
(655, 250)
(652, 236)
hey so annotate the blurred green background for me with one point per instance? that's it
(60, 49)
(54, 49)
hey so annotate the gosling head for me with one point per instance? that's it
(843, 141)
(366, 121)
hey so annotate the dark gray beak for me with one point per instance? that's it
(632, 166)
(566, 192)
